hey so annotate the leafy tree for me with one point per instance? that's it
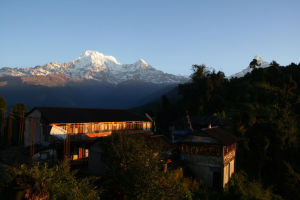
(264, 107)
(135, 172)
(42, 182)
(19, 109)
(16, 124)
(239, 187)
(290, 182)
(253, 63)
(3, 107)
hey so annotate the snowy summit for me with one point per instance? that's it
(99, 67)
(260, 64)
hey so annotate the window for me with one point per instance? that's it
(88, 127)
(144, 125)
(97, 127)
(75, 157)
(148, 125)
(86, 153)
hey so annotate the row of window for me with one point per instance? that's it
(103, 127)
(193, 149)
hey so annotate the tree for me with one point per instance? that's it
(133, 168)
(134, 171)
(41, 182)
(253, 63)
(240, 187)
(16, 123)
(198, 72)
(3, 107)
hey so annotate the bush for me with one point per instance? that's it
(42, 182)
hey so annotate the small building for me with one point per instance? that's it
(76, 128)
(210, 155)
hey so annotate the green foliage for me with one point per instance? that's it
(19, 109)
(241, 188)
(57, 182)
(16, 118)
(253, 63)
(201, 91)
(135, 172)
(290, 182)
(186, 188)
(3, 107)
(133, 168)
(264, 107)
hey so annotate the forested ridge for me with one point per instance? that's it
(264, 109)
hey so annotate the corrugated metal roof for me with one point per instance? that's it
(82, 115)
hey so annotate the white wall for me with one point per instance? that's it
(201, 166)
(33, 132)
(226, 174)
(231, 167)
(228, 171)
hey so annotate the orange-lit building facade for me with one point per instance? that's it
(101, 129)
(210, 156)
(76, 128)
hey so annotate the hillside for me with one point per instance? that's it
(263, 106)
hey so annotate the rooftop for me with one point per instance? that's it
(84, 115)
(213, 135)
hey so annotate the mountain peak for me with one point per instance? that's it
(97, 57)
(143, 64)
(142, 61)
(91, 52)
(99, 67)
(258, 58)
(260, 64)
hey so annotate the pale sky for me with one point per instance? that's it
(170, 35)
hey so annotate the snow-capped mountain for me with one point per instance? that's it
(96, 66)
(260, 64)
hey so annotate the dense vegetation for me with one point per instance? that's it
(264, 110)
(42, 182)
(264, 107)
(135, 171)
(11, 125)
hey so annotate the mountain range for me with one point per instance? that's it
(91, 80)
(92, 65)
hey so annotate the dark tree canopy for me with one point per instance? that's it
(264, 108)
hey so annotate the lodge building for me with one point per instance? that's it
(210, 155)
(76, 128)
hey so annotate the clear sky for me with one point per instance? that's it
(170, 35)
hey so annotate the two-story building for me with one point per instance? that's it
(210, 155)
(75, 128)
